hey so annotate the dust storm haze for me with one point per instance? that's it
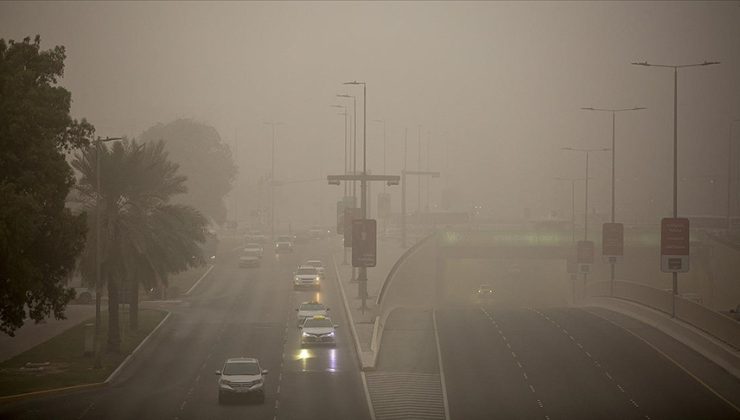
(493, 89)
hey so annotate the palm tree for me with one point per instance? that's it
(144, 238)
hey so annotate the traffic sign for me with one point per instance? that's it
(674, 245)
(612, 241)
(364, 246)
(585, 252)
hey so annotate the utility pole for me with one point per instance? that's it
(403, 188)
(729, 175)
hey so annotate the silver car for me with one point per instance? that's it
(241, 376)
(318, 330)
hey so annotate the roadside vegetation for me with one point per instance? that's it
(60, 361)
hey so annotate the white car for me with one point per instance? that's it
(241, 376)
(317, 264)
(306, 277)
(318, 330)
(310, 310)
(254, 248)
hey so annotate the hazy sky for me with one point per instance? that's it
(496, 86)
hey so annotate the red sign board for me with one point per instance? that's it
(674, 245)
(585, 252)
(674, 236)
(612, 240)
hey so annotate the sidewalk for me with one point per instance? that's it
(389, 250)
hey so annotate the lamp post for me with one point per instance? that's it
(362, 276)
(675, 146)
(613, 111)
(729, 175)
(572, 204)
(385, 171)
(98, 282)
(585, 214)
(346, 190)
(353, 151)
(272, 180)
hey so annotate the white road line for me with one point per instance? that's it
(589, 355)
(520, 365)
(531, 388)
(278, 388)
(609, 376)
(620, 388)
(183, 405)
(525, 376)
(513, 354)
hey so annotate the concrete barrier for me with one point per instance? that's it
(699, 316)
(408, 284)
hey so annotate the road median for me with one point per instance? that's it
(58, 365)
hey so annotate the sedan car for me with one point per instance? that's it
(306, 277)
(309, 310)
(317, 264)
(318, 330)
(241, 376)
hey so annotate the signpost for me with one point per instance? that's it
(364, 244)
(585, 256)
(612, 242)
(674, 245)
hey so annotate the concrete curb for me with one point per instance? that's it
(84, 387)
(355, 338)
(199, 280)
(364, 365)
(713, 349)
(136, 350)
(441, 367)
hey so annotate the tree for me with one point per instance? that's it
(203, 158)
(39, 237)
(144, 238)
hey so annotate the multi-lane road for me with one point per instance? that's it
(561, 363)
(233, 312)
(498, 361)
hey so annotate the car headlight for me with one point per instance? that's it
(305, 334)
(225, 382)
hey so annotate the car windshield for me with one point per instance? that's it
(485, 288)
(241, 368)
(318, 323)
(312, 307)
(314, 263)
(253, 246)
(284, 238)
(306, 271)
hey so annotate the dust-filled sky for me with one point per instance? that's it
(496, 88)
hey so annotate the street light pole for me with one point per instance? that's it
(675, 148)
(344, 197)
(585, 216)
(613, 111)
(362, 277)
(272, 181)
(403, 188)
(572, 204)
(729, 175)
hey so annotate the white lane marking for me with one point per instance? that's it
(620, 388)
(183, 405)
(520, 365)
(199, 280)
(609, 376)
(526, 378)
(278, 388)
(589, 355)
(513, 354)
(531, 388)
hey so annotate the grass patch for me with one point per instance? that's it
(67, 366)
